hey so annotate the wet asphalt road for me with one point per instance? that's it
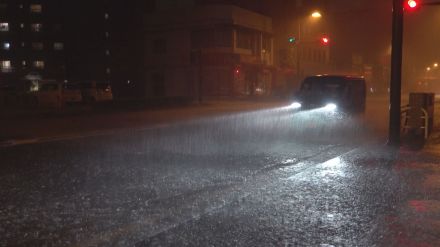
(269, 178)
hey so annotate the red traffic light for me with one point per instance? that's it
(411, 4)
(325, 40)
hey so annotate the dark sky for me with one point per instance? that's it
(361, 27)
(364, 27)
(422, 37)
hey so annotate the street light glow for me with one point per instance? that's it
(316, 14)
(428, 69)
(436, 65)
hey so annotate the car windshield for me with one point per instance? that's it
(324, 85)
(187, 123)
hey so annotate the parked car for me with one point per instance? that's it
(342, 93)
(93, 91)
(50, 94)
(71, 93)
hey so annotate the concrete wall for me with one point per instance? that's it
(180, 74)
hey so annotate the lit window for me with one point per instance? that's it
(22, 25)
(22, 44)
(107, 34)
(37, 46)
(36, 27)
(5, 66)
(58, 46)
(36, 8)
(106, 16)
(108, 71)
(39, 64)
(4, 26)
(23, 63)
(6, 45)
(107, 52)
(21, 6)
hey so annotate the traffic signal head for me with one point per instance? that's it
(412, 4)
(292, 40)
(325, 40)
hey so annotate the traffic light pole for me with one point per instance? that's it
(199, 84)
(396, 74)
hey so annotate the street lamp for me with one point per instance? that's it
(428, 69)
(316, 15)
(435, 65)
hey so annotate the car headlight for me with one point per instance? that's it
(296, 105)
(331, 107)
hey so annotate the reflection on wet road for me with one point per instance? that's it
(255, 179)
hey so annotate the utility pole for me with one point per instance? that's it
(200, 76)
(396, 74)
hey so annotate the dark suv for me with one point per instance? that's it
(332, 92)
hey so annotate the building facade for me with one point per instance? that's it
(207, 51)
(31, 40)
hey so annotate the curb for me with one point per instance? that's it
(18, 142)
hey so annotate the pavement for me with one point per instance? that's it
(414, 222)
(47, 125)
(417, 222)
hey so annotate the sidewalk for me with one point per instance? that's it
(418, 220)
(56, 125)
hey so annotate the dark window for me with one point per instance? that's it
(37, 46)
(49, 87)
(223, 38)
(244, 39)
(71, 87)
(160, 46)
(158, 84)
(58, 46)
(267, 43)
(211, 38)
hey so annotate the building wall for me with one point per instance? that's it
(105, 43)
(218, 50)
(31, 40)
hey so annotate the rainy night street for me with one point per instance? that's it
(261, 178)
(211, 123)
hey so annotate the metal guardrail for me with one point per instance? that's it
(404, 114)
